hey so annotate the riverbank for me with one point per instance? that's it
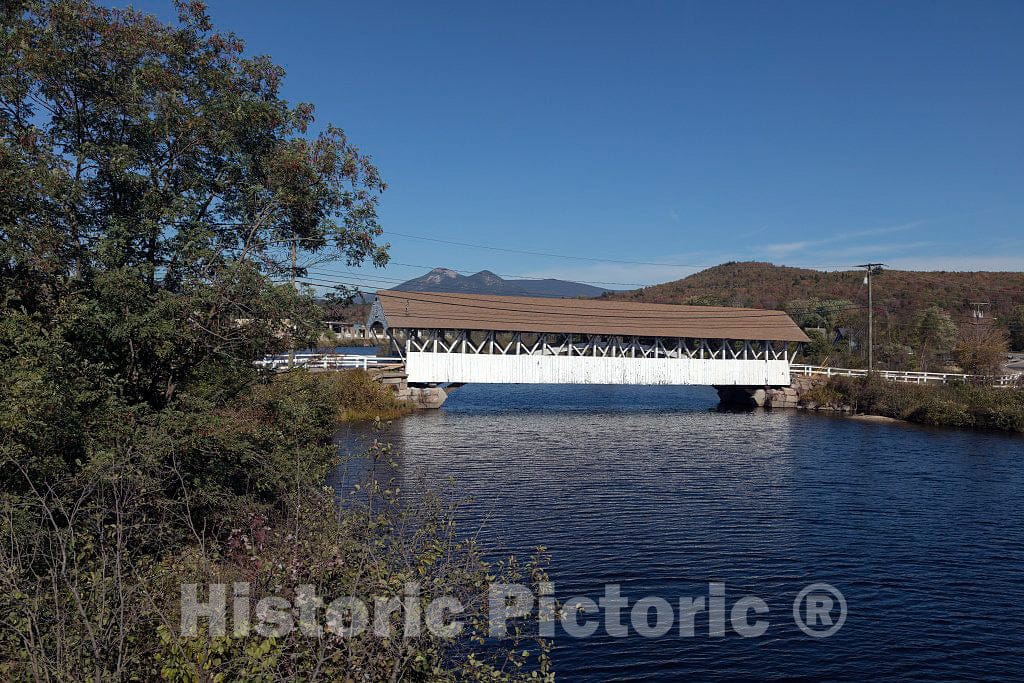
(359, 398)
(226, 486)
(879, 419)
(960, 406)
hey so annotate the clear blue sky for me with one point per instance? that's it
(804, 133)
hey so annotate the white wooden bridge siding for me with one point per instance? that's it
(474, 368)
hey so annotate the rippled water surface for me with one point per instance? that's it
(653, 489)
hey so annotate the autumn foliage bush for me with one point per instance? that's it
(360, 396)
(942, 405)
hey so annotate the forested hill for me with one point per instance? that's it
(764, 285)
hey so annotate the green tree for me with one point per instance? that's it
(155, 172)
(822, 313)
(935, 333)
(1015, 327)
(820, 350)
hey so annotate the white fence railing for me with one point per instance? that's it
(340, 361)
(904, 375)
(328, 361)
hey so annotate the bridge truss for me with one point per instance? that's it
(464, 338)
(592, 345)
(467, 356)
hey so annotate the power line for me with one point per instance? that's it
(363, 282)
(327, 241)
(541, 253)
(492, 305)
(521, 277)
(365, 279)
(358, 276)
(401, 280)
(460, 298)
(769, 314)
(1000, 296)
(471, 272)
(591, 258)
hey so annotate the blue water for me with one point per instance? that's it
(653, 489)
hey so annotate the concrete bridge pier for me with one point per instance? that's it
(741, 396)
(430, 396)
(422, 395)
(765, 397)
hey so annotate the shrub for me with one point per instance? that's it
(949, 405)
(942, 412)
(822, 395)
(372, 547)
(359, 397)
(94, 562)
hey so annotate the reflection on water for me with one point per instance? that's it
(653, 489)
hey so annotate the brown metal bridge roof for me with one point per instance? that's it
(431, 310)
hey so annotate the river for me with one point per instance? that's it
(653, 489)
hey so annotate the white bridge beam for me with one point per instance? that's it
(429, 367)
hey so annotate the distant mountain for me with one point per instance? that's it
(558, 288)
(486, 282)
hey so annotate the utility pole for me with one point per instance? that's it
(871, 269)
(291, 344)
(979, 309)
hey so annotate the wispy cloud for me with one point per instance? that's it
(627, 276)
(783, 249)
(786, 248)
(753, 233)
(959, 262)
(871, 252)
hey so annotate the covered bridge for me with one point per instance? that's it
(455, 338)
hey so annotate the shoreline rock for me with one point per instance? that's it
(882, 419)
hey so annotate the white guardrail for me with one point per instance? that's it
(340, 361)
(328, 361)
(904, 375)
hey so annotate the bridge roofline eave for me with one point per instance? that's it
(590, 334)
